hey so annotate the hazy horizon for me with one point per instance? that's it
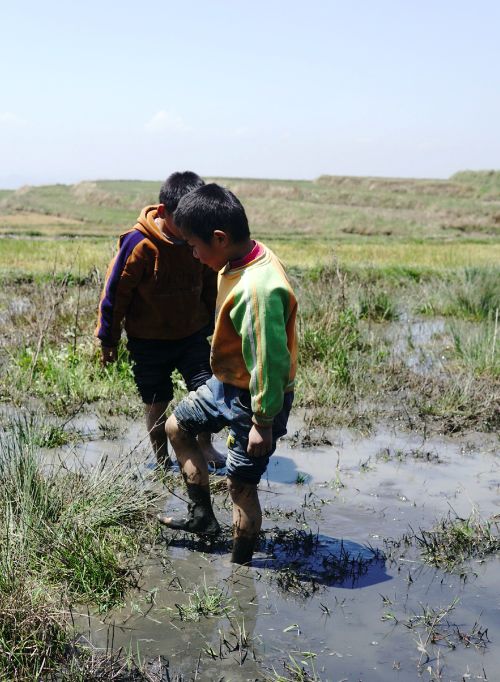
(268, 91)
(241, 177)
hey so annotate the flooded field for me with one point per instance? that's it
(339, 589)
(379, 558)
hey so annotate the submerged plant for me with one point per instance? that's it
(235, 642)
(301, 478)
(302, 670)
(454, 540)
(302, 562)
(433, 629)
(208, 601)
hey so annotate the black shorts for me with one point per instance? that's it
(154, 360)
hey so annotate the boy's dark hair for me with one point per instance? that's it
(176, 186)
(210, 208)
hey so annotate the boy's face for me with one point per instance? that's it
(214, 254)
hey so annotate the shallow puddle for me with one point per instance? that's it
(414, 342)
(322, 593)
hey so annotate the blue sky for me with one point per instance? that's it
(281, 88)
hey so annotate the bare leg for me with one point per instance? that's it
(247, 514)
(188, 453)
(155, 421)
(211, 455)
(200, 517)
(247, 519)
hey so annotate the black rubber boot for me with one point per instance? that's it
(200, 517)
(243, 548)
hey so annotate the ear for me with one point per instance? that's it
(161, 211)
(221, 238)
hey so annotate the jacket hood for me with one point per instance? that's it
(146, 224)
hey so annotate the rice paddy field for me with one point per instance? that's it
(379, 554)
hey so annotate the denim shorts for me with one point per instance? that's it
(216, 405)
(154, 360)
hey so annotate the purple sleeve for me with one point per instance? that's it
(107, 325)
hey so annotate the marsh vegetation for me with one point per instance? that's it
(399, 289)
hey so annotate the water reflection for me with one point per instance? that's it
(316, 559)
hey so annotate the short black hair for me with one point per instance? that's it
(176, 186)
(211, 208)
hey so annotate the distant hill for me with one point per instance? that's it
(346, 207)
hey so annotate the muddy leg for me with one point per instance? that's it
(200, 517)
(188, 453)
(155, 421)
(247, 519)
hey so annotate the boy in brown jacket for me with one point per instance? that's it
(166, 299)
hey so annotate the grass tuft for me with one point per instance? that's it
(64, 378)
(66, 537)
(478, 349)
(377, 305)
(455, 540)
(477, 294)
(206, 601)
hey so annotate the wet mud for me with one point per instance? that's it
(338, 588)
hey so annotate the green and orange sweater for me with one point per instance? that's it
(254, 345)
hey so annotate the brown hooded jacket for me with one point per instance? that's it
(156, 285)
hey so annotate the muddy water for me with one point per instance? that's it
(351, 496)
(414, 342)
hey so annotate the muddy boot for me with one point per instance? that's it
(243, 548)
(200, 517)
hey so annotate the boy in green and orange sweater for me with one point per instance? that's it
(253, 360)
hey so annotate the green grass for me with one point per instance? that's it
(68, 377)
(377, 305)
(207, 602)
(477, 294)
(360, 251)
(25, 260)
(67, 538)
(487, 182)
(455, 540)
(478, 348)
(329, 207)
(294, 670)
(49, 353)
(41, 433)
(77, 518)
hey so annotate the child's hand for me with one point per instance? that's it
(260, 440)
(109, 354)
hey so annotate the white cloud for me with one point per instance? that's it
(166, 122)
(10, 120)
